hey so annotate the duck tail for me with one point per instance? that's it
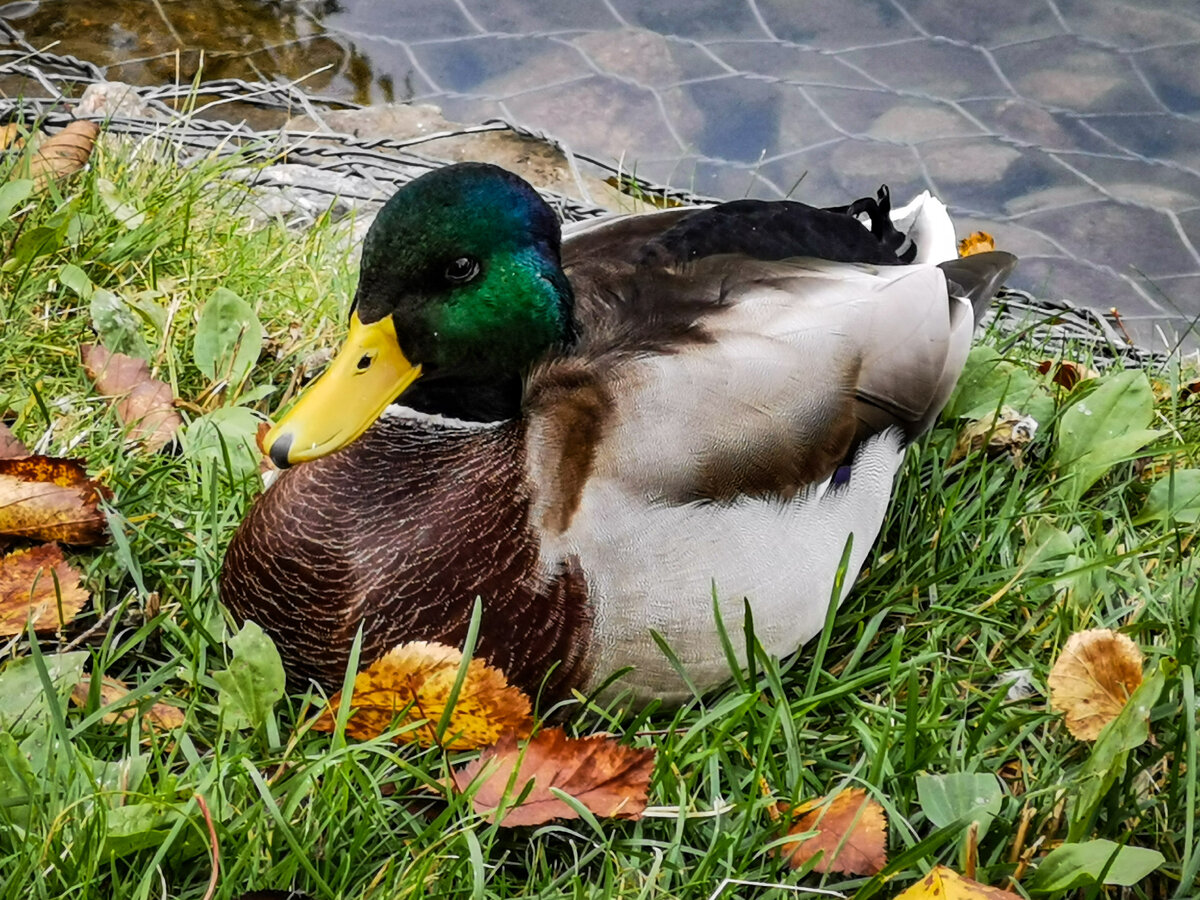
(976, 278)
(926, 223)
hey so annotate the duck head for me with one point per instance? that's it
(461, 291)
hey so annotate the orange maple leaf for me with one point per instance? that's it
(50, 499)
(38, 584)
(849, 829)
(606, 777)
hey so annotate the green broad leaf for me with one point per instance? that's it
(1106, 763)
(145, 304)
(137, 826)
(1071, 866)
(13, 194)
(40, 241)
(75, 279)
(120, 776)
(989, 382)
(1174, 497)
(969, 796)
(254, 681)
(229, 338)
(120, 329)
(225, 434)
(19, 783)
(24, 705)
(120, 210)
(947, 798)
(1103, 428)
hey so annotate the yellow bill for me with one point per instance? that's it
(368, 373)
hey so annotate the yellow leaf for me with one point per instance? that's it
(38, 583)
(1092, 679)
(979, 242)
(412, 684)
(850, 833)
(946, 884)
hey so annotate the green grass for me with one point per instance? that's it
(908, 680)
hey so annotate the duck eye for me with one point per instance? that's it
(462, 270)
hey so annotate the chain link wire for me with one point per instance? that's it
(371, 169)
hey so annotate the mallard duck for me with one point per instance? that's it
(597, 434)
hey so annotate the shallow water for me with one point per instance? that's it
(1069, 129)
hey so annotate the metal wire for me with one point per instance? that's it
(372, 169)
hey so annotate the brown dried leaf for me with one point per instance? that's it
(1092, 679)
(64, 153)
(160, 716)
(1009, 432)
(851, 831)
(143, 403)
(10, 445)
(607, 778)
(1067, 374)
(946, 884)
(50, 499)
(979, 242)
(412, 683)
(38, 584)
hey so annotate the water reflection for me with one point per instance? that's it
(1070, 130)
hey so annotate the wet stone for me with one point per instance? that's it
(1063, 72)
(523, 17)
(1003, 23)
(1152, 135)
(1143, 184)
(479, 65)
(417, 20)
(826, 23)
(1129, 239)
(645, 57)
(917, 121)
(933, 68)
(1029, 123)
(1174, 75)
(1130, 26)
(957, 162)
(792, 64)
(851, 111)
(696, 18)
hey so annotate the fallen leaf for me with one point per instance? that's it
(601, 774)
(851, 832)
(978, 242)
(50, 499)
(143, 403)
(412, 684)
(10, 445)
(12, 136)
(1005, 432)
(946, 884)
(1092, 679)
(160, 716)
(64, 153)
(1065, 373)
(38, 584)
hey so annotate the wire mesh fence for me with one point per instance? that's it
(206, 118)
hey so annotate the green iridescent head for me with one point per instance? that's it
(465, 260)
(461, 292)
